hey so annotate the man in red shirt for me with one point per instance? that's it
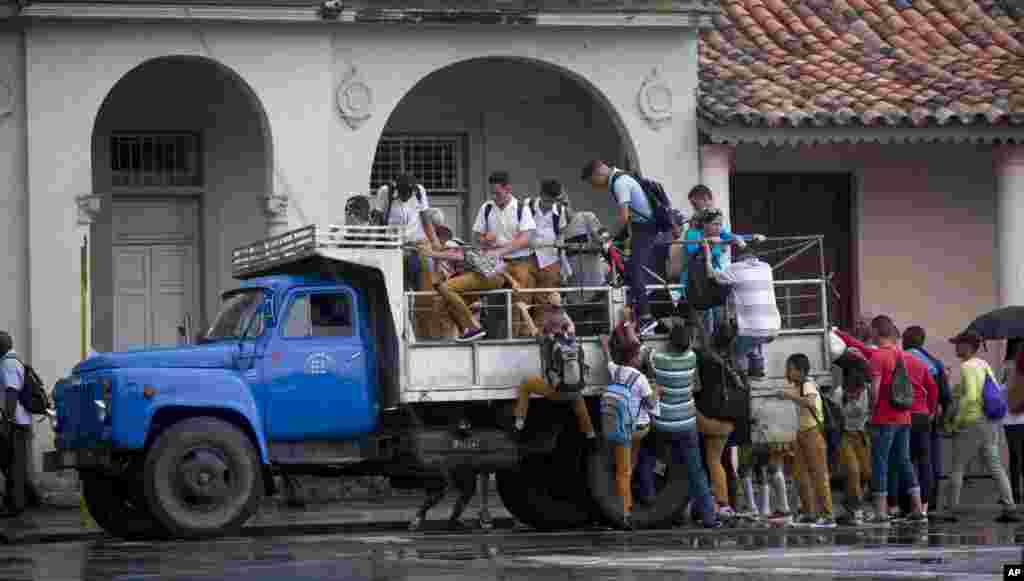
(890, 427)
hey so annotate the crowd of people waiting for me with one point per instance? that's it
(881, 424)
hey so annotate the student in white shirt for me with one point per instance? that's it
(552, 222)
(402, 204)
(505, 225)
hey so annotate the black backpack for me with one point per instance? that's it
(724, 393)
(901, 391)
(661, 206)
(703, 292)
(32, 396)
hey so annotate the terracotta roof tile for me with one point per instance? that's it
(874, 62)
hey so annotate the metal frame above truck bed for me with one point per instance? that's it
(489, 369)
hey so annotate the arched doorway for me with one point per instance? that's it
(182, 160)
(530, 118)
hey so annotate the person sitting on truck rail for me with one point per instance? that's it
(507, 225)
(556, 325)
(485, 270)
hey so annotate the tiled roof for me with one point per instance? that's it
(863, 62)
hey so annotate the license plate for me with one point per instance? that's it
(466, 444)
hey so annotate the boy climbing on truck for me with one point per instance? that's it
(564, 371)
(626, 409)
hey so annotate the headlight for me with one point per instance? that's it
(101, 410)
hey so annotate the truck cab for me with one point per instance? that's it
(312, 367)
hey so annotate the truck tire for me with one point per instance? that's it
(203, 478)
(672, 490)
(549, 491)
(119, 507)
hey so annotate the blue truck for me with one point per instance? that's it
(311, 368)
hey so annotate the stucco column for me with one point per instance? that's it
(1009, 171)
(715, 167)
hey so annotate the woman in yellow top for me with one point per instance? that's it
(811, 466)
(974, 434)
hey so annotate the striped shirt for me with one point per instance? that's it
(676, 374)
(753, 294)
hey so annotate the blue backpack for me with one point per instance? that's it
(616, 418)
(993, 402)
(661, 206)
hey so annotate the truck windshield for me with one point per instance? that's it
(234, 316)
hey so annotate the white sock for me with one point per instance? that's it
(520, 422)
(748, 491)
(766, 495)
(779, 482)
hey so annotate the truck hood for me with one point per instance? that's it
(201, 356)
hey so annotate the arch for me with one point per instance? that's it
(244, 88)
(211, 111)
(581, 81)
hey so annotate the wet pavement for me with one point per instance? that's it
(971, 551)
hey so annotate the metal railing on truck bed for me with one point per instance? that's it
(433, 367)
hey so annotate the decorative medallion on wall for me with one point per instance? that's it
(89, 207)
(355, 99)
(655, 100)
(6, 99)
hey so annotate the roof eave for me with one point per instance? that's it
(737, 134)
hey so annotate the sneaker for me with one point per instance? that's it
(416, 524)
(779, 514)
(805, 520)
(825, 522)
(627, 523)
(715, 525)
(879, 520)
(646, 327)
(916, 518)
(471, 335)
(725, 510)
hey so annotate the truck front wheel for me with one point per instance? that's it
(118, 506)
(203, 478)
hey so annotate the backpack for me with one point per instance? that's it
(901, 391)
(564, 364)
(617, 419)
(532, 203)
(703, 292)
(392, 192)
(723, 395)
(993, 400)
(661, 206)
(32, 396)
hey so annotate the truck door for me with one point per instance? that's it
(318, 369)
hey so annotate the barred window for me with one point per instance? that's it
(437, 162)
(155, 160)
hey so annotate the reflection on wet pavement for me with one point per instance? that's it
(939, 553)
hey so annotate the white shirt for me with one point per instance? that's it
(13, 374)
(753, 293)
(503, 223)
(641, 400)
(546, 233)
(405, 213)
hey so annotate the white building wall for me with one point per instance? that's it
(14, 316)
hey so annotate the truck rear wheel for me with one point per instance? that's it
(119, 507)
(672, 487)
(549, 491)
(203, 478)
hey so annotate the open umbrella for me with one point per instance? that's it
(1004, 323)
